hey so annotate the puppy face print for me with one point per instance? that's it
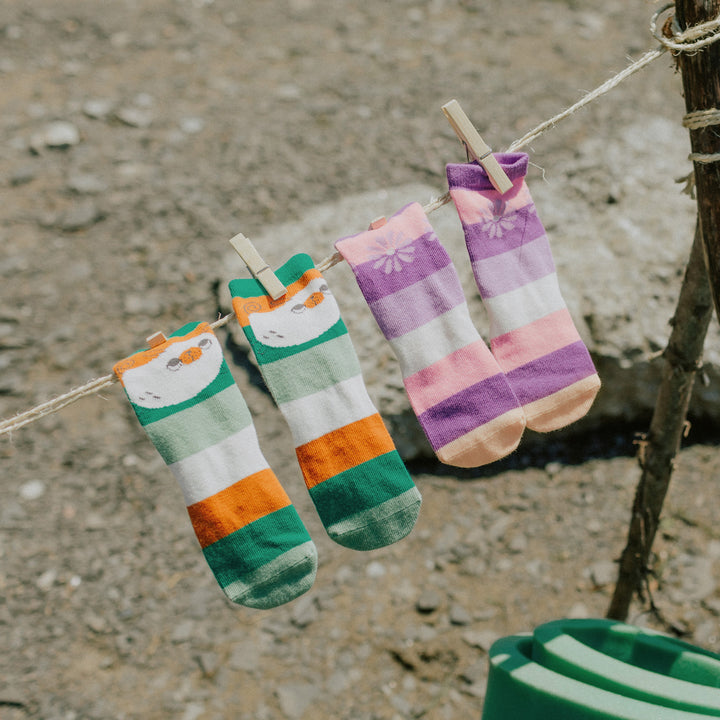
(305, 316)
(179, 373)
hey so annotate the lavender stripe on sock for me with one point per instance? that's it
(488, 238)
(551, 373)
(419, 303)
(461, 413)
(428, 256)
(512, 269)
(474, 177)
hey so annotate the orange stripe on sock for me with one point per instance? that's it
(145, 356)
(243, 307)
(247, 500)
(344, 448)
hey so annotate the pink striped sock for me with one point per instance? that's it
(460, 396)
(532, 334)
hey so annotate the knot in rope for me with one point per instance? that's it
(689, 40)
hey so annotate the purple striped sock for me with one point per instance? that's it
(532, 334)
(458, 392)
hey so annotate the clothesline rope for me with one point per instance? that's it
(688, 41)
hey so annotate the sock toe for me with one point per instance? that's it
(563, 407)
(283, 579)
(485, 444)
(378, 526)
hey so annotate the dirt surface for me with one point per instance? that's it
(182, 123)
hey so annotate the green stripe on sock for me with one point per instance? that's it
(254, 545)
(185, 329)
(291, 271)
(324, 366)
(380, 525)
(201, 426)
(223, 380)
(337, 497)
(279, 581)
(266, 354)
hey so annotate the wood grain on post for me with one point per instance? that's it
(701, 83)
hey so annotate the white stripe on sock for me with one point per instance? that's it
(211, 470)
(524, 305)
(312, 416)
(434, 340)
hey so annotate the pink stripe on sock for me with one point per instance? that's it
(474, 207)
(437, 382)
(532, 341)
(401, 229)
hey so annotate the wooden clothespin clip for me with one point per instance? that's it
(378, 223)
(156, 339)
(476, 146)
(260, 270)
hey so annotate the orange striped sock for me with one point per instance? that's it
(188, 403)
(358, 482)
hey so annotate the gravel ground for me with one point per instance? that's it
(137, 137)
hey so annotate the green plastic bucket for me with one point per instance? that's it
(598, 670)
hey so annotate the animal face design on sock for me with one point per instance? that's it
(179, 373)
(305, 316)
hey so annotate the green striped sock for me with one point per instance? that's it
(187, 401)
(358, 482)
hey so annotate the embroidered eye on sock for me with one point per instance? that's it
(356, 478)
(460, 396)
(188, 403)
(532, 334)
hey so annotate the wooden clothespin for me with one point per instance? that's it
(156, 339)
(476, 146)
(260, 270)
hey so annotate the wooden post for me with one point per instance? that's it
(701, 84)
(658, 450)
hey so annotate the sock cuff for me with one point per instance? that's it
(249, 296)
(144, 355)
(396, 255)
(473, 176)
(289, 273)
(410, 222)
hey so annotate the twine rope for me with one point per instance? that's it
(701, 119)
(698, 120)
(704, 158)
(690, 40)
